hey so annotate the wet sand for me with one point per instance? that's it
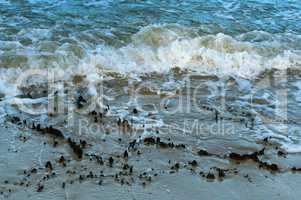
(158, 171)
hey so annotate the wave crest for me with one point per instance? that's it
(161, 48)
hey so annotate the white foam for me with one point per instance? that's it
(298, 93)
(159, 49)
(292, 148)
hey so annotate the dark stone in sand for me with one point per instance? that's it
(203, 153)
(111, 161)
(33, 171)
(135, 111)
(210, 176)
(171, 145)
(266, 140)
(176, 166)
(90, 175)
(62, 161)
(149, 141)
(125, 154)
(216, 116)
(38, 128)
(80, 102)
(180, 146)
(81, 178)
(295, 169)
(163, 145)
(93, 113)
(193, 163)
(55, 143)
(40, 188)
(15, 120)
(125, 167)
(48, 165)
(221, 173)
(281, 153)
(76, 148)
(63, 185)
(99, 160)
(33, 126)
(119, 122)
(83, 143)
(270, 167)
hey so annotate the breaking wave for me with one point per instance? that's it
(159, 48)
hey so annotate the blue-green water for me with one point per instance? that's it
(118, 20)
(63, 33)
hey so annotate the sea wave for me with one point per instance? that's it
(159, 48)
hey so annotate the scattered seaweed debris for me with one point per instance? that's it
(15, 120)
(40, 187)
(193, 163)
(83, 143)
(271, 167)
(125, 154)
(295, 169)
(216, 116)
(62, 161)
(203, 153)
(175, 167)
(244, 157)
(149, 141)
(93, 113)
(132, 145)
(221, 173)
(77, 148)
(80, 102)
(48, 130)
(124, 124)
(210, 176)
(33, 171)
(255, 157)
(266, 140)
(281, 154)
(157, 141)
(99, 160)
(53, 131)
(111, 162)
